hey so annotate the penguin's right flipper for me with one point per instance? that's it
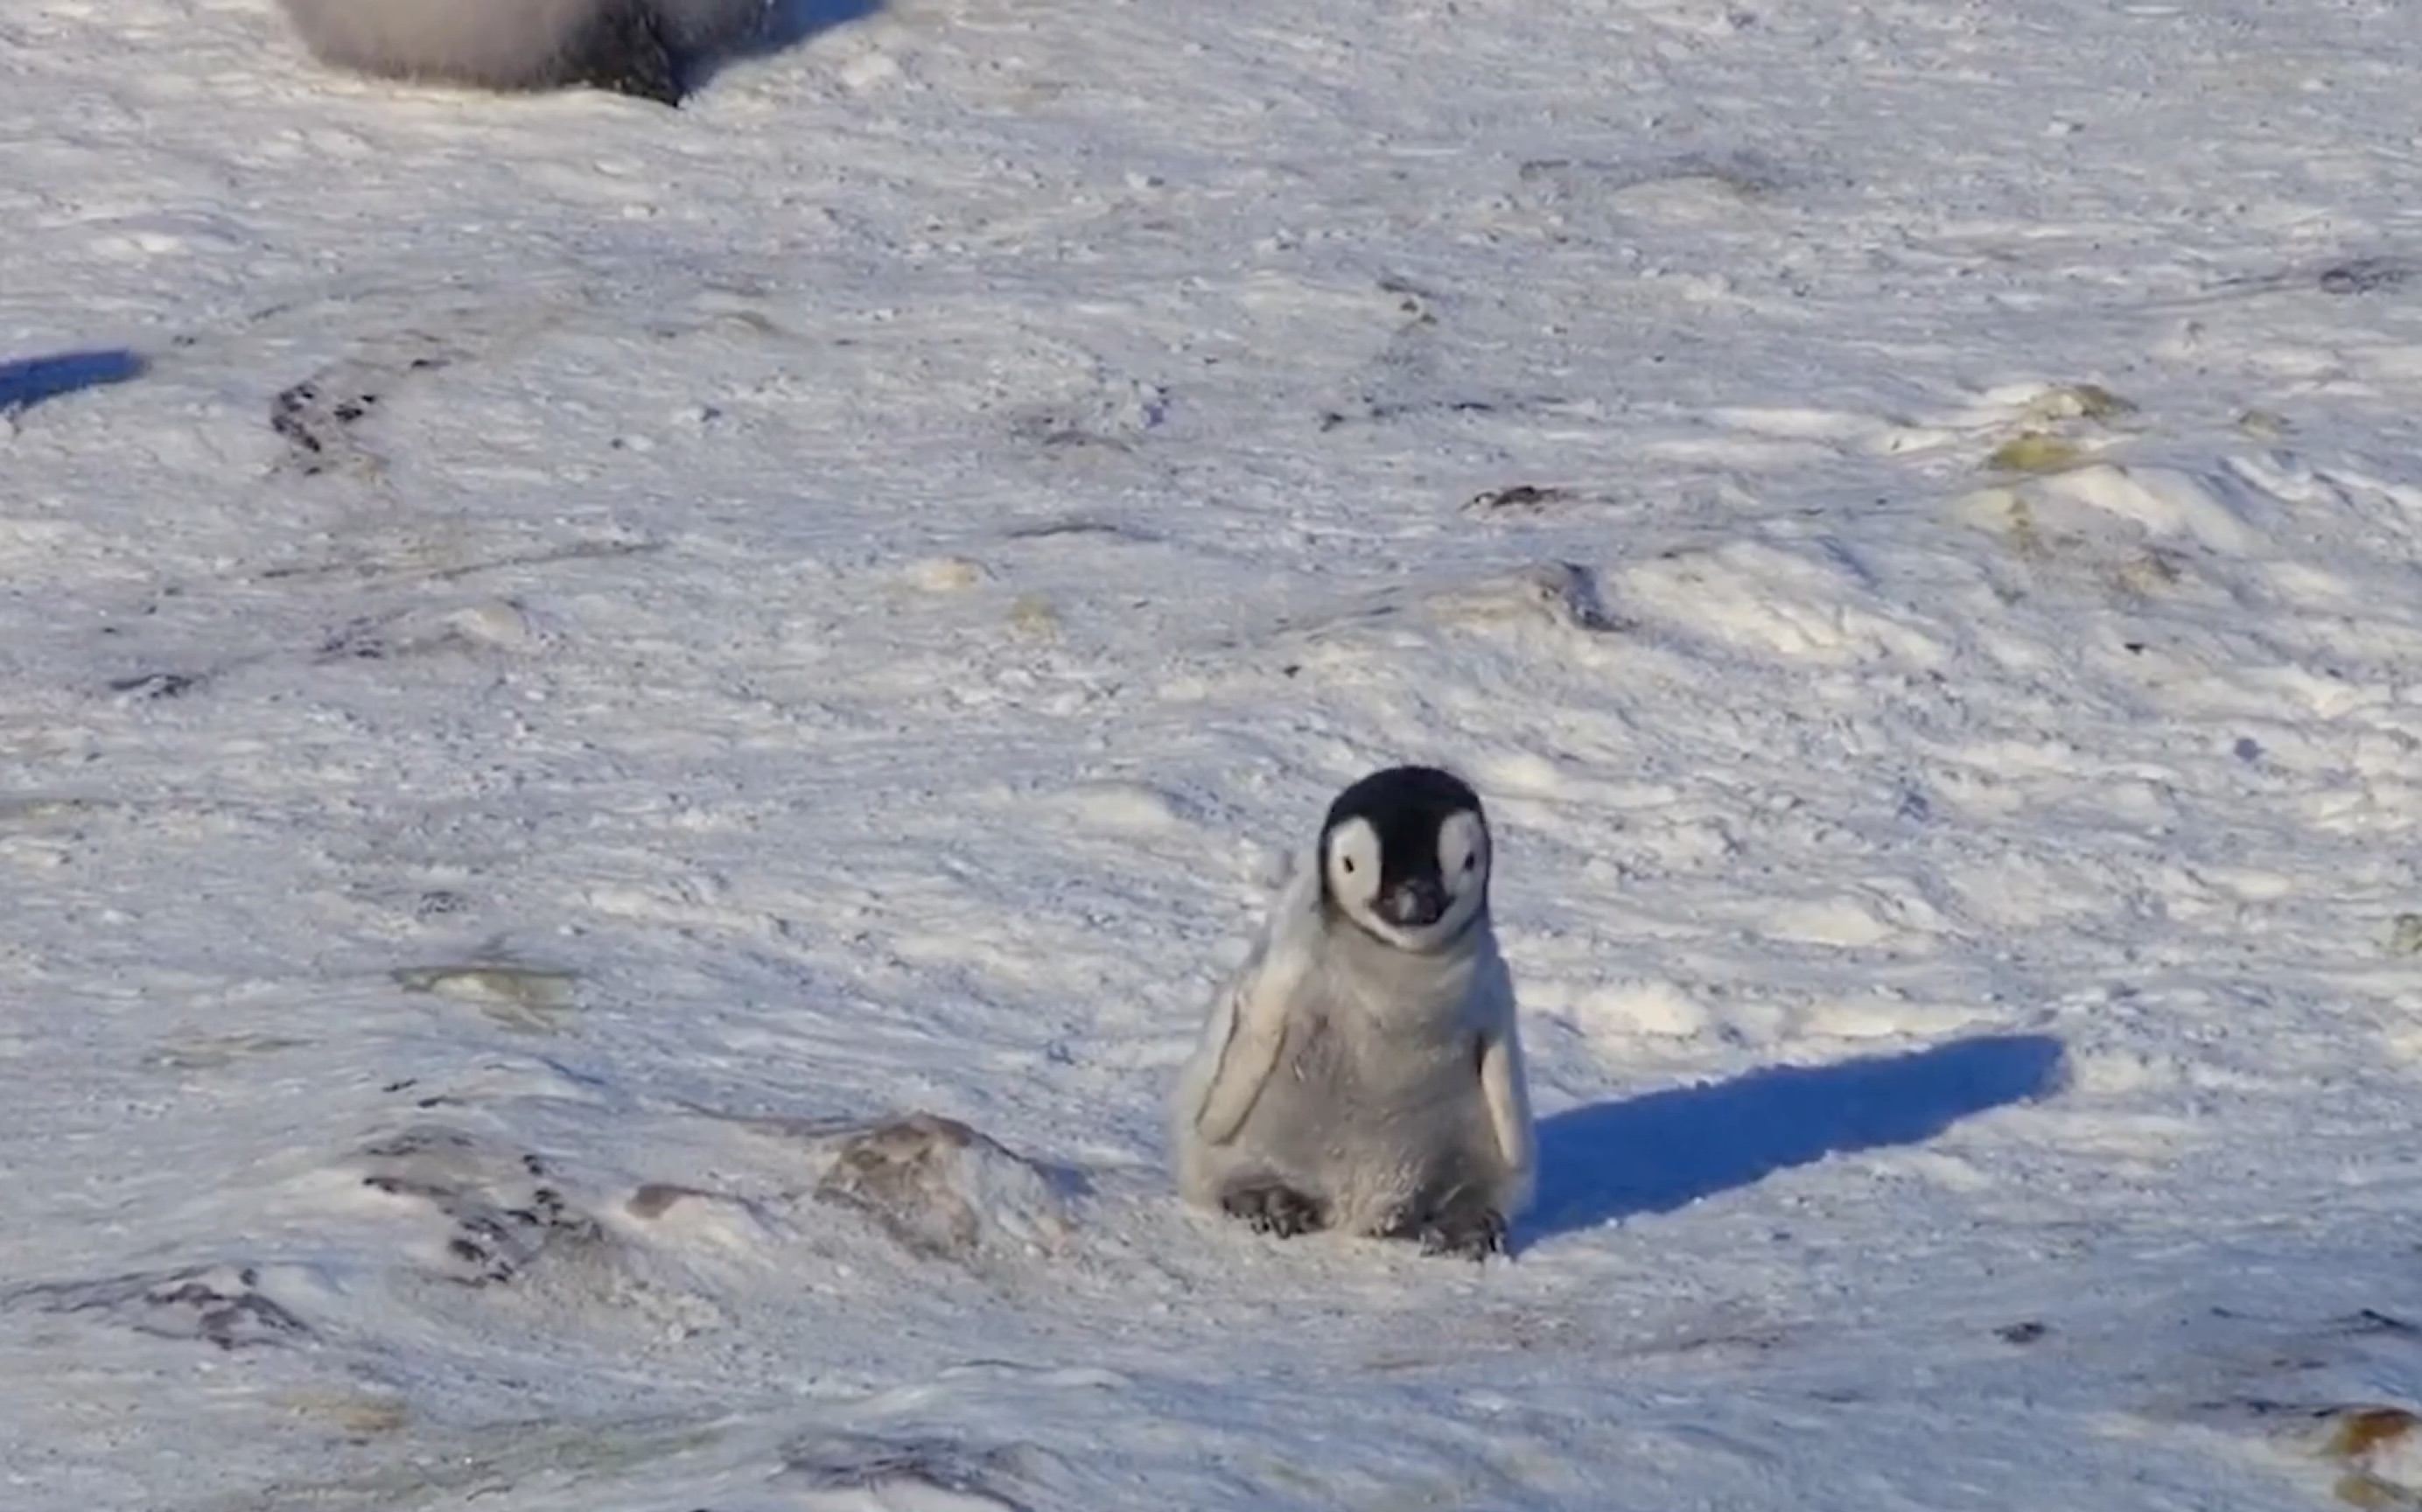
(1250, 1026)
(624, 52)
(1250, 1022)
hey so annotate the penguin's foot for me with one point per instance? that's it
(1466, 1233)
(1275, 1208)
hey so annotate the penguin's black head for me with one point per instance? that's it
(1404, 855)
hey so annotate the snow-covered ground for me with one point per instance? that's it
(828, 603)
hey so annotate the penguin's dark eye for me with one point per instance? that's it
(1347, 862)
(1471, 861)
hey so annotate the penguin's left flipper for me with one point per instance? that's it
(624, 52)
(1505, 1090)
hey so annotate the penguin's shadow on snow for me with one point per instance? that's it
(29, 380)
(1653, 1154)
(788, 22)
(792, 21)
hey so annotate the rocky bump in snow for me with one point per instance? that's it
(941, 1189)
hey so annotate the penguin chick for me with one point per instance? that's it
(633, 47)
(1361, 1071)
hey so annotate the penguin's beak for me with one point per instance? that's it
(1416, 905)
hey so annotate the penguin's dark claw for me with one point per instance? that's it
(1472, 1236)
(1470, 1233)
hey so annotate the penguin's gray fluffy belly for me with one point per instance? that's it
(1374, 1110)
(635, 47)
(1378, 1139)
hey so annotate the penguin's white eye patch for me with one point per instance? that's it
(1463, 851)
(1352, 861)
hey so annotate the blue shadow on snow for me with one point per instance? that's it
(795, 21)
(787, 24)
(27, 382)
(1668, 1149)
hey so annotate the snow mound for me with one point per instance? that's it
(481, 1213)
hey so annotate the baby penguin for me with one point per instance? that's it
(1361, 1072)
(635, 47)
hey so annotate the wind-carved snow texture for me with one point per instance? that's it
(498, 1212)
(320, 418)
(630, 742)
(930, 1474)
(222, 1305)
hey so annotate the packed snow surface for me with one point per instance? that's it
(630, 741)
